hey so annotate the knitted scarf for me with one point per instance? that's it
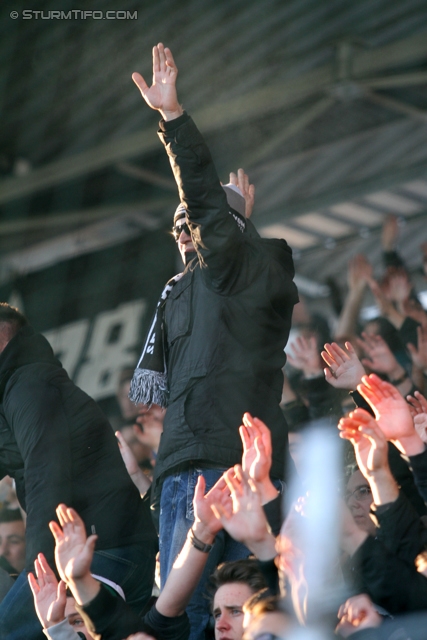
(150, 380)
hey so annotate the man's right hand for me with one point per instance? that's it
(344, 371)
(162, 94)
(74, 553)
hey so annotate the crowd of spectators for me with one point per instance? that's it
(365, 384)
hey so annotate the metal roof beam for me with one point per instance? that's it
(215, 116)
(389, 180)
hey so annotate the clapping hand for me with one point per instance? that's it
(392, 414)
(344, 371)
(73, 550)
(380, 357)
(243, 516)
(368, 440)
(419, 352)
(257, 452)
(418, 408)
(304, 355)
(49, 594)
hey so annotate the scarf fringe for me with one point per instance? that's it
(149, 387)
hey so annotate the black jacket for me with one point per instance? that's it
(59, 447)
(227, 321)
(384, 567)
(108, 616)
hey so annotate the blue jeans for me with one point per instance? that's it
(131, 567)
(18, 618)
(176, 518)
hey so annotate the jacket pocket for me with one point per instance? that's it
(178, 311)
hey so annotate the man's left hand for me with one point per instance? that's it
(241, 180)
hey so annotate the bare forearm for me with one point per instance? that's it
(84, 589)
(185, 575)
(384, 487)
(141, 481)
(172, 115)
(410, 445)
(263, 549)
(267, 491)
(346, 325)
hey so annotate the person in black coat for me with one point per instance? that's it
(215, 349)
(59, 447)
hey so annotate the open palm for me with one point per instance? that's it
(162, 94)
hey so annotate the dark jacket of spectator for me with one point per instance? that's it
(59, 447)
(227, 321)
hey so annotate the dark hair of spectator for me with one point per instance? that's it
(256, 598)
(245, 571)
(10, 515)
(265, 605)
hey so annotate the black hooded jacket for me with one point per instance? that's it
(59, 447)
(227, 321)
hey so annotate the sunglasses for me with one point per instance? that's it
(178, 229)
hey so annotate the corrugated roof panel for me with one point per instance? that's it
(293, 237)
(394, 203)
(417, 186)
(324, 225)
(356, 213)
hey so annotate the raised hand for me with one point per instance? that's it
(385, 304)
(257, 451)
(359, 272)
(138, 477)
(418, 408)
(380, 358)
(149, 426)
(305, 355)
(419, 352)
(128, 456)
(162, 94)
(396, 285)
(417, 403)
(345, 371)
(368, 440)
(73, 550)
(205, 520)
(389, 233)
(243, 517)
(392, 414)
(241, 180)
(49, 594)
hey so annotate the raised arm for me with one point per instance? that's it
(359, 271)
(74, 554)
(370, 446)
(215, 234)
(188, 567)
